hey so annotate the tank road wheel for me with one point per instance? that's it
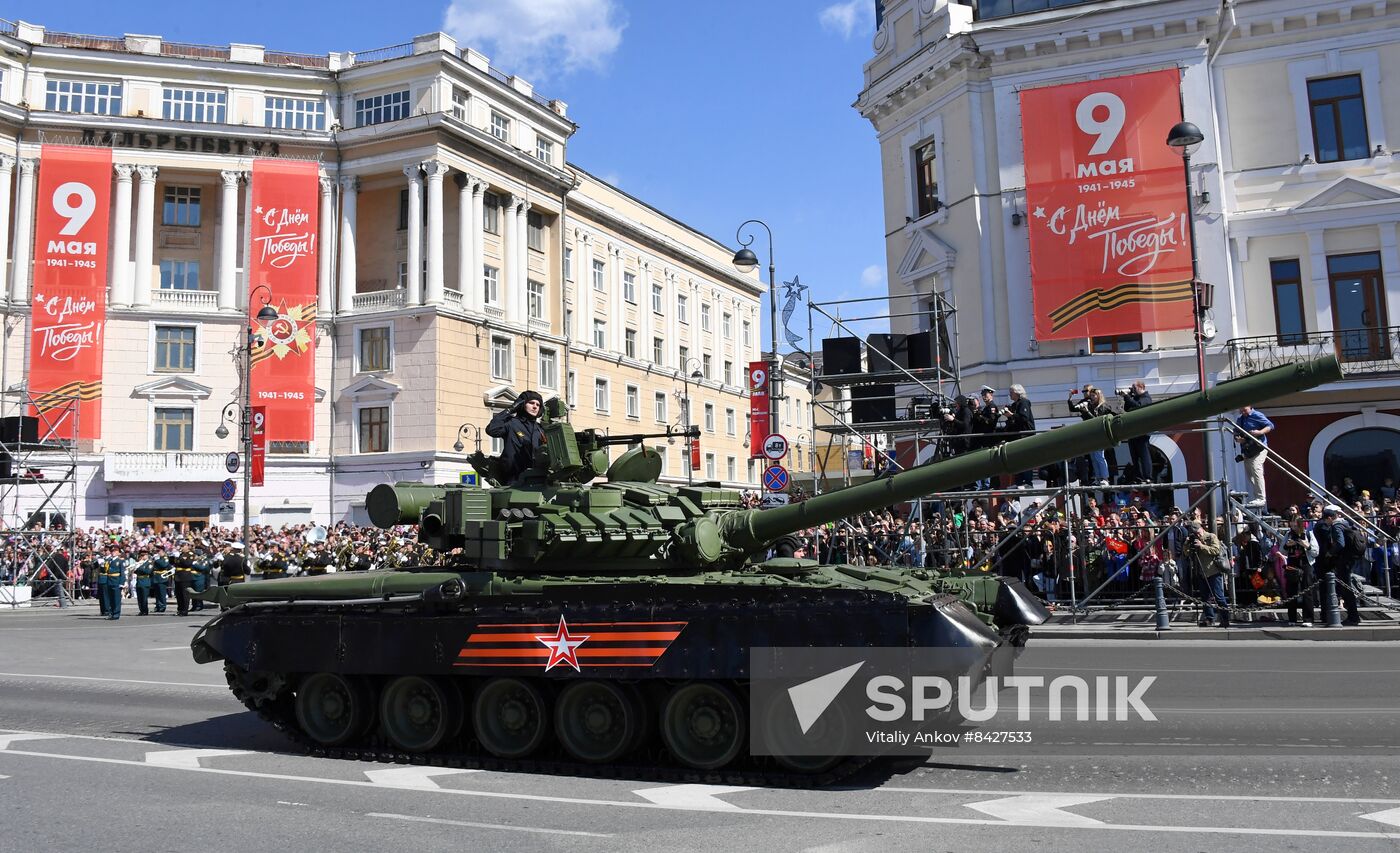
(703, 724)
(596, 721)
(510, 717)
(418, 713)
(333, 709)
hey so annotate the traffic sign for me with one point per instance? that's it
(231, 462)
(775, 478)
(772, 499)
(775, 446)
(468, 478)
(228, 490)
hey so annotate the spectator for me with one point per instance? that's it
(1203, 553)
(1139, 449)
(1336, 543)
(1254, 450)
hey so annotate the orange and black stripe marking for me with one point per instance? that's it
(578, 644)
(1100, 299)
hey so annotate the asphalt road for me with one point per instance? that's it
(112, 739)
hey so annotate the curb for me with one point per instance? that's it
(1360, 633)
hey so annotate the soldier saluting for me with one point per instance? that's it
(519, 428)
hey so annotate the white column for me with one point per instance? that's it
(414, 283)
(644, 318)
(510, 258)
(433, 287)
(349, 193)
(584, 280)
(24, 230)
(323, 257)
(474, 282)
(145, 235)
(227, 278)
(464, 237)
(672, 330)
(120, 265)
(7, 168)
(617, 314)
(520, 296)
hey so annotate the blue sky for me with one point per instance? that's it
(714, 112)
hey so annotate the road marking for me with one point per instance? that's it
(1040, 809)
(6, 740)
(474, 825)
(115, 680)
(419, 778)
(698, 797)
(187, 759)
(1245, 798)
(791, 813)
(1390, 816)
(168, 648)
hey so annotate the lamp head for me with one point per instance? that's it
(458, 447)
(745, 260)
(221, 432)
(696, 374)
(266, 314)
(1184, 137)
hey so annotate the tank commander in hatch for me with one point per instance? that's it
(519, 428)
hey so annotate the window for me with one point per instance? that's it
(1117, 343)
(377, 109)
(925, 178)
(376, 351)
(549, 369)
(174, 429)
(568, 264)
(195, 105)
(502, 366)
(634, 402)
(568, 320)
(726, 325)
(731, 468)
(683, 355)
(461, 104)
(1288, 301)
(747, 330)
(728, 372)
(598, 276)
(181, 206)
(1359, 314)
(656, 297)
(544, 150)
(491, 213)
(179, 275)
(709, 417)
(175, 349)
(730, 423)
(709, 466)
(706, 366)
(704, 317)
(295, 113)
(752, 470)
(83, 96)
(1338, 119)
(534, 299)
(629, 343)
(534, 231)
(403, 275)
(682, 309)
(658, 351)
(491, 285)
(374, 429)
(600, 334)
(572, 391)
(601, 401)
(659, 407)
(500, 126)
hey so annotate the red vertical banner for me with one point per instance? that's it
(694, 454)
(285, 197)
(1107, 209)
(257, 450)
(758, 407)
(70, 289)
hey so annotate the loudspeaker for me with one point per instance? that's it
(840, 356)
(920, 349)
(7, 466)
(887, 353)
(17, 428)
(872, 404)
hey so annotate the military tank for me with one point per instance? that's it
(589, 619)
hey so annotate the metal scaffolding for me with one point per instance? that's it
(38, 491)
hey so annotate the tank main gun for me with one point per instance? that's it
(633, 525)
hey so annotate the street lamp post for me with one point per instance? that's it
(746, 261)
(686, 376)
(1184, 137)
(244, 411)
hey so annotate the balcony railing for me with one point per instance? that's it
(454, 297)
(199, 300)
(378, 300)
(162, 467)
(1367, 351)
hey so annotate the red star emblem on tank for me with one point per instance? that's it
(562, 646)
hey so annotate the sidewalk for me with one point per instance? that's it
(1139, 624)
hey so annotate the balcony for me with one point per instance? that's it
(186, 300)
(162, 467)
(378, 300)
(1363, 352)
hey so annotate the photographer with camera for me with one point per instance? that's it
(985, 416)
(519, 428)
(1341, 546)
(1020, 422)
(1253, 439)
(1136, 397)
(957, 425)
(1299, 552)
(1203, 552)
(1091, 406)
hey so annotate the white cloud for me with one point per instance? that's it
(872, 276)
(853, 17)
(538, 39)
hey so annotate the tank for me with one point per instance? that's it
(588, 619)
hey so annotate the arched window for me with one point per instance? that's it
(1368, 456)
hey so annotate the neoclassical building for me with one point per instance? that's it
(462, 259)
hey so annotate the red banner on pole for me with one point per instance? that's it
(1106, 207)
(286, 195)
(695, 454)
(758, 407)
(70, 289)
(257, 451)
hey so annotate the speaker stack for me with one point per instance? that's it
(872, 404)
(840, 356)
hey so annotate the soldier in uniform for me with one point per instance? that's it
(234, 569)
(203, 564)
(276, 564)
(184, 572)
(318, 563)
(159, 566)
(110, 582)
(142, 569)
(519, 429)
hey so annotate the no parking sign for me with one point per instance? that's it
(775, 478)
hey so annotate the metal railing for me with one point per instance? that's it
(379, 54)
(305, 60)
(1368, 350)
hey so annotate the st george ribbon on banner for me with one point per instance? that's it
(285, 198)
(1107, 209)
(70, 289)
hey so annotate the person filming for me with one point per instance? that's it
(1092, 405)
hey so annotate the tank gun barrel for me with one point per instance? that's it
(748, 529)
